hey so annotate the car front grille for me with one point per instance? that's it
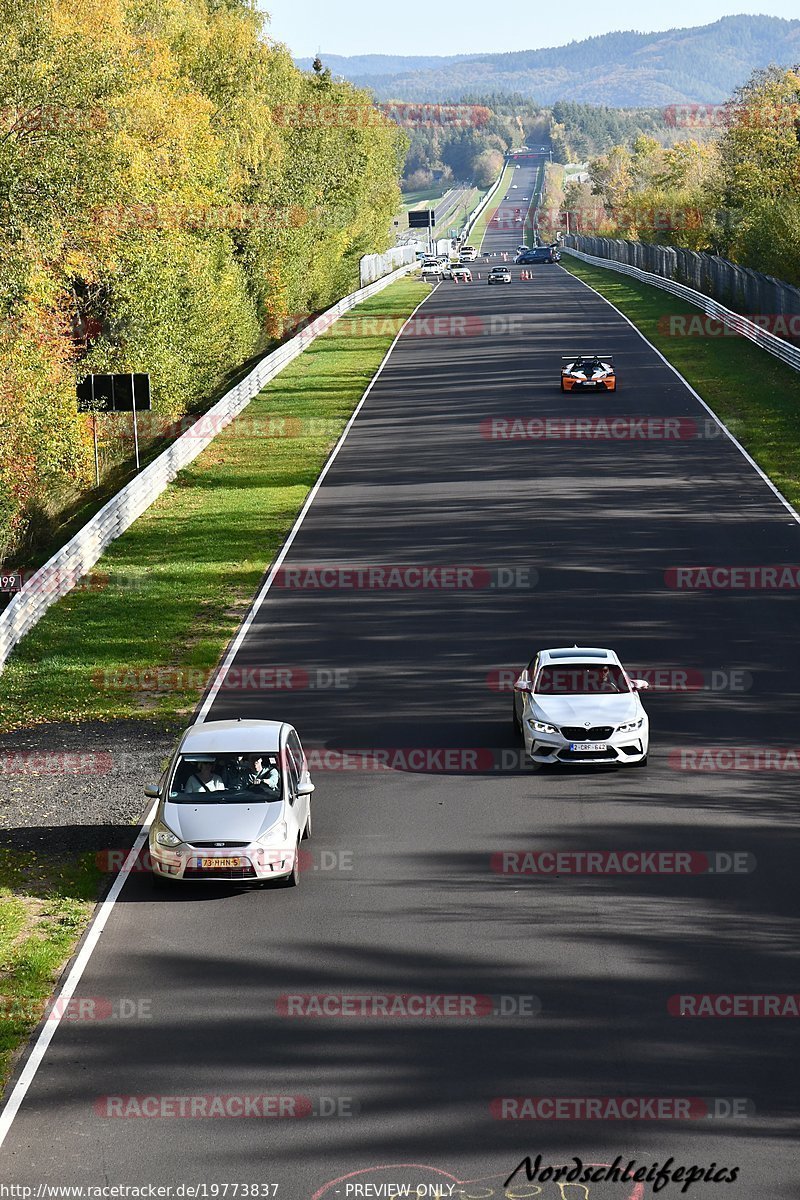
(216, 845)
(576, 733)
(584, 756)
(245, 872)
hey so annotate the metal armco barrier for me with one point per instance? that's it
(374, 266)
(751, 330)
(476, 212)
(60, 573)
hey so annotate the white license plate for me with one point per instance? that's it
(218, 864)
(589, 747)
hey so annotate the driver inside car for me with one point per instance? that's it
(258, 771)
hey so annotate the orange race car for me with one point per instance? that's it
(588, 372)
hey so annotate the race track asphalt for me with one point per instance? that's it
(559, 540)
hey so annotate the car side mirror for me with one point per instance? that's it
(305, 789)
(640, 685)
(152, 790)
(523, 685)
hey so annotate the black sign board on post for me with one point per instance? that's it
(421, 218)
(114, 393)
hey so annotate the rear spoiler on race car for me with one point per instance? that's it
(587, 354)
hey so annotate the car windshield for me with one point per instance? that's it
(581, 679)
(226, 778)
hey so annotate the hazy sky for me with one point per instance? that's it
(425, 27)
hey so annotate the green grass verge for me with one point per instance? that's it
(143, 634)
(424, 196)
(478, 231)
(44, 907)
(756, 396)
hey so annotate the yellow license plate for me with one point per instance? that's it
(214, 864)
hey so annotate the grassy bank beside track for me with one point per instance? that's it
(141, 639)
(44, 907)
(140, 636)
(756, 395)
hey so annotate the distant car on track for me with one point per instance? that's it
(578, 705)
(469, 253)
(458, 273)
(589, 372)
(499, 275)
(234, 804)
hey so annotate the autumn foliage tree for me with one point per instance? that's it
(172, 189)
(735, 194)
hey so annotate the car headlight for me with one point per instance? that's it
(165, 836)
(276, 833)
(542, 727)
(630, 726)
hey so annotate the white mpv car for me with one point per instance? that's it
(234, 803)
(578, 705)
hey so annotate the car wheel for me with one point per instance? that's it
(642, 762)
(293, 878)
(516, 720)
(307, 830)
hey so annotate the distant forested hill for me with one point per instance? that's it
(384, 64)
(703, 64)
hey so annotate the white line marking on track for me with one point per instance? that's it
(786, 503)
(73, 979)
(105, 908)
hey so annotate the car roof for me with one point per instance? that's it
(567, 654)
(232, 737)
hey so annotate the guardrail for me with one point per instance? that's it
(60, 573)
(373, 267)
(770, 342)
(476, 212)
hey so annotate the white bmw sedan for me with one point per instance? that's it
(578, 705)
(234, 803)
